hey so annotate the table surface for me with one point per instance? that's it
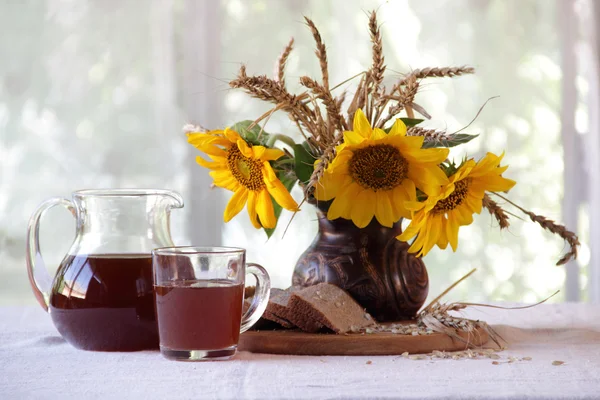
(35, 362)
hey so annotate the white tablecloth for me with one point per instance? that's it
(35, 362)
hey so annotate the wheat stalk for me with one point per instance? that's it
(354, 104)
(378, 67)
(405, 98)
(497, 211)
(327, 156)
(334, 113)
(339, 101)
(431, 135)
(549, 225)
(281, 61)
(446, 72)
(270, 90)
(321, 52)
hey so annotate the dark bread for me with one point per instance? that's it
(278, 306)
(330, 306)
(280, 321)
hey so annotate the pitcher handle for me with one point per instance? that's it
(41, 286)
(260, 298)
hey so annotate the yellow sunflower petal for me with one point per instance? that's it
(378, 134)
(224, 179)
(411, 230)
(232, 135)
(340, 162)
(236, 204)
(417, 244)
(489, 162)
(411, 190)
(412, 143)
(434, 226)
(442, 241)
(252, 200)
(383, 210)
(363, 208)
(211, 150)
(196, 139)
(399, 198)
(452, 227)
(276, 189)
(474, 204)
(245, 149)
(428, 178)
(268, 172)
(272, 154)
(211, 165)
(264, 208)
(265, 154)
(434, 156)
(352, 137)
(330, 185)
(361, 124)
(282, 196)
(498, 183)
(342, 204)
(398, 129)
(463, 214)
(414, 205)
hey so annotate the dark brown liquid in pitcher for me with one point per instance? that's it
(105, 302)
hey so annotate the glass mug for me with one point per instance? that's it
(199, 295)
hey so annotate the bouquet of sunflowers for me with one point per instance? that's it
(373, 162)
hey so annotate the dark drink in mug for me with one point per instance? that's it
(199, 314)
(199, 295)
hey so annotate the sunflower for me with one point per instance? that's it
(437, 220)
(374, 173)
(246, 171)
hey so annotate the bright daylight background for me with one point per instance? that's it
(93, 94)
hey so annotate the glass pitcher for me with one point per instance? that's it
(101, 297)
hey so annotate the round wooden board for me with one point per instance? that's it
(322, 344)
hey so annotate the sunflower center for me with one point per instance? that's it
(379, 167)
(247, 171)
(461, 188)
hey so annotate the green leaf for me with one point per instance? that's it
(449, 141)
(289, 180)
(412, 121)
(304, 162)
(251, 135)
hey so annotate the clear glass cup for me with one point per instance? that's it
(199, 294)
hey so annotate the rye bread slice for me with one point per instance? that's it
(267, 320)
(274, 311)
(278, 307)
(330, 306)
(281, 321)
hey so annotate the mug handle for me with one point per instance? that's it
(260, 298)
(33, 257)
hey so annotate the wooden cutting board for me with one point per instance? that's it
(322, 344)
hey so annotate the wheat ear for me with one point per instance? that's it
(281, 61)
(549, 225)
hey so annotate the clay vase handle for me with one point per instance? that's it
(259, 301)
(40, 279)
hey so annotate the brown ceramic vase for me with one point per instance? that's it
(369, 263)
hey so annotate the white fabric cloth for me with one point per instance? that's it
(35, 362)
